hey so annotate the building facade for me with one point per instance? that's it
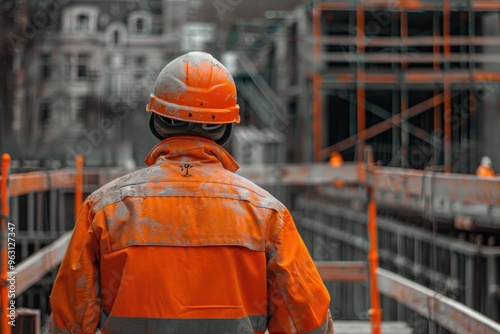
(88, 77)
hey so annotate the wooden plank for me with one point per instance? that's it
(444, 311)
(342, 271)
(26, 183)
(363, 327)
(37, 265)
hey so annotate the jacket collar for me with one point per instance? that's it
(194, 148)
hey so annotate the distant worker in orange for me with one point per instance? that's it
(485, 169)
(186, 245)
(336, 159)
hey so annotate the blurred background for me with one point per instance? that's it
(77, 76)
(417, 81)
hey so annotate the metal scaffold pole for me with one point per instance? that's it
(437, 108)
(4, 325)
(405, 137)
(361, 92)
(447, 89)
(317, 105)
(375, 311)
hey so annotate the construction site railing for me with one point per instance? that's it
(462, 198)
(17, 278)
(440, 309)
(417, 189)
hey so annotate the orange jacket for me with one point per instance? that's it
(187, 246)
(485, 171)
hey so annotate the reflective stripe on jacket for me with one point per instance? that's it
(187, 246)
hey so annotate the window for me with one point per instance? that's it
(139, 26)
(140, 22)
(80, 109)
(140, 61)
(80, 18)
(82, 23)
(66, 114)
(68, 66)
(45, 113)
(45, 66)
(114, 83)
(156, 27)
(116, 37)
(140, 64)
(83, 60)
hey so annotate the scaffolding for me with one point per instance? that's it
(413, 75)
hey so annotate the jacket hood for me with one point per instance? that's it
(195, 148)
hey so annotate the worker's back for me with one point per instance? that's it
(188, 242)
(187, 246)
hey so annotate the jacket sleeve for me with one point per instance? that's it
(74, 299)
(298, 301)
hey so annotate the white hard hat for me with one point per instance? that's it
(486, 161)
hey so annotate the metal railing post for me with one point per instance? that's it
(78, 185)
(375, 311)
(317, 103)
(4, 325)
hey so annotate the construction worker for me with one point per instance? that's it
(336, 159)
(485, 169)
(185, 245)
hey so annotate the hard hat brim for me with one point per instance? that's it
(193, 114)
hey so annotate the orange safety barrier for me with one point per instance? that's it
(375, 312)
(78, 185)
(373, 258)
(4, 325)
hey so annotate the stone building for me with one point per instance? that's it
(87, 77)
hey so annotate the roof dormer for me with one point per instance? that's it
(116, 34)
(140, 23)
(80, 19)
